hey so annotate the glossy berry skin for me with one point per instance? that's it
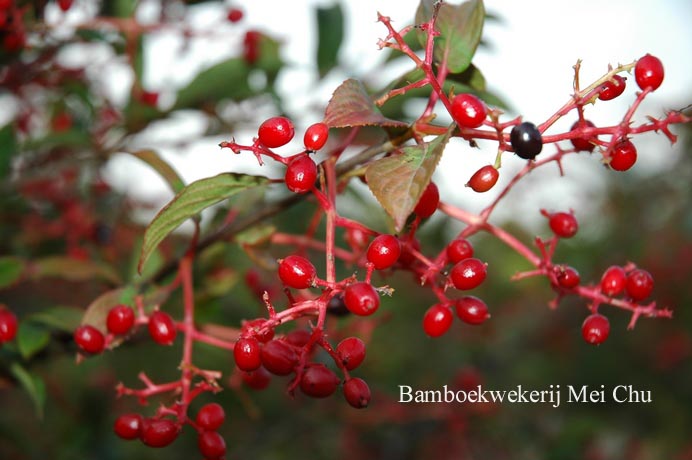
(468, 110)
(427, 204)
(318, 381)
(584, 144)
(384, 251)
(472, 310)
(468, 274)
(298, 337)
(211, 445)
(162, 328)
(120, 319)
(128, 426)
(316, 136)
(639, 284)
(297, 272)
(595, 329)
(568, 278)
(437, 320)
(8, 325)
(612, 89)
(258, 379)
(623, 156)
(484, 179)
(89, 339)
(158, 433)
(459, 250)
(526, 140)
(301, 174)
(361, 299)
(613, 281)
(563, 224)
(65, 5)
(648, 72)
(278, 357)
(357, 393)
(234, 15)
(210, 417)
(351, 352)
(276, 132)
(246, 353)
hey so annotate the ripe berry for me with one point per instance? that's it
(648, 72)
(318, 381)
(8, 325)
(613, 281)
(298, 337)
(301, 174)
(612, 89)
(246, 353)
(351, 352)
(623, 156)
(459, 250)
(468, 111)
(258, 379)
(210, 417)
(437, 320)
(162, 328)
(595, 329)
(468, 274)
(639, 285)
(275, 132)
(427, 204)
(297, 272)
(158, 433)
(526, 140)
(65, 4)
(253, 327)
(149, 98)
(484, 179)
(585, 144)
(316, 136)
(211, 444)
(568, 278)
(361, 299)
(89, 339)
(128, 426)
(384, 251)
(563, 224)
(251, 46)
(356, 238)
(337, 307)
(234, 15)
(357, 393)
(278, 357)
(120, 319)
(472, 310)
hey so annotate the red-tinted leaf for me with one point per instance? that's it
(351, 105)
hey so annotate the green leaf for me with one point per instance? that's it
(11, 269)
(162, 167)
(351, 106)
(119, 8)
(62, 318)
(138, 63)
(33, 385)
(460, 28)
(189, 202)
(225, 80)
(398, 181)
(330, 34)
(8, 149)
(31, 339)
(71, 269)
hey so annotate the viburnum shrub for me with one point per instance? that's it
(311, 276)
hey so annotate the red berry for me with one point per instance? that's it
(351, 352)
(297, 272)
(211, 444)
(298, 337)
(61, 122)
(162, 328)
(613, 281)
(484, 179)
(5, 4)
(128, 426)
(427, 204)
(384, 251)
(472, 310)
(235, 15)
(623, 156)
(210, 417)
(595, 329)
(639, 285)
(158, 433)
(89, 339)
(247, 354)
(275, 132)
(316, 136)
(120, 319)
(65, 4)
(568, 278)
(278, 357)
(585, 144)
(253, 327)
(258, 379)
(648, 72)
(357, 393)
(149, 98)
(361, 299)
(356, 238)
(468, 111)
(437, 320)
(8, 325)
(318, 381)
(459, 250)
(563, 224)
(251, 46)
(301, 174)
(612, 88)
(468, 274)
